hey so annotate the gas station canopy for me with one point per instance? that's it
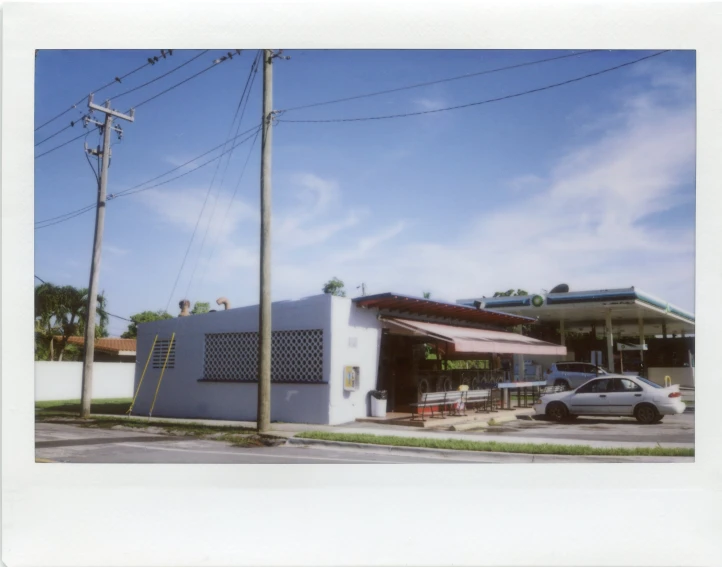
(582, 310)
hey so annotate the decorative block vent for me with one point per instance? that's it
(296, 356)
(159, 354)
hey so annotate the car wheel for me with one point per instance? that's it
(563, 383)
(658, 419)
(646, 413)
(557, 411)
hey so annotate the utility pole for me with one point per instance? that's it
(263, 417)
(89, 343)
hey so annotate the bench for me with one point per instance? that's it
(436, 400)
(483, 399)
(458, 400)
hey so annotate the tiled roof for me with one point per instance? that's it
(109, 344)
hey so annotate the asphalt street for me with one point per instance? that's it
(673, 429)
(63, 443)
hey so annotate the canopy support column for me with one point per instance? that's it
(562, 333)
(610, 342)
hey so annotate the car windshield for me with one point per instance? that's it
(649, 383)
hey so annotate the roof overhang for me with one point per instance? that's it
(473, 341)
(393, 304)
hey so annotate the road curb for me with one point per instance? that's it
(456, 453)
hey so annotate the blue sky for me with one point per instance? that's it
(591, 183)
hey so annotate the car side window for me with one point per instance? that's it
(574, 368)
(562, 367)
(625, 385)
(595, 386)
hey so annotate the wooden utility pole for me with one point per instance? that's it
(263, 417)
(89, 343)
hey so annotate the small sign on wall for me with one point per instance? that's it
(351, 378)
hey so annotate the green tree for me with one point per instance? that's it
(200, 307)
(144, 317)
(60, 311)
(334, 286)
(427, 295)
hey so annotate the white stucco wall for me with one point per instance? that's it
(63, 380)
(356, 336)
(182, 395)
(683, 376)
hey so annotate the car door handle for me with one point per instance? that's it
(603, 396)
(637, 395)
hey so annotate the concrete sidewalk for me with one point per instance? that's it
(289, 430)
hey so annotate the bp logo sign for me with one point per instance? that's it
(537, 300)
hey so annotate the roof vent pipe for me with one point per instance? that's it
(185, 306)
(224, 301)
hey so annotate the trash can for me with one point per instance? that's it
(378, 403)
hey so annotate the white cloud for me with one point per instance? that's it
(368, 243)
(589, 224)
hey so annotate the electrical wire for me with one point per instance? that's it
(230, 205)
(215, 64)
(436, 82)
(115, 80)
(64, 144)
(244, 95)
(173, 70)
(68, 217)
(128, 193)
(82, 210)
(205, 201)
(123, 93)
(487, 101)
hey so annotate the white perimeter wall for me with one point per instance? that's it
(355, 342)
(182, 395)
(63, 380)
(683, 376)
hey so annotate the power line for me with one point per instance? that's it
(212, 66)
(246, 94)
(205, 201)
(109, 314)
(68, 217)
(83, 117)
(173, 70)
(436, 82)
(77, 212)
(64, 144)
(127, 193)
(487, 101)
(230, 203)
(115, 80)
(215, 64)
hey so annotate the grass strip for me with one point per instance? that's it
(112, 406)
(495, 446)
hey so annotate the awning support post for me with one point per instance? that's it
(562, 333)
(641, 339)
(610, 342)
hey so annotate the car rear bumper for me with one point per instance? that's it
(674, 407)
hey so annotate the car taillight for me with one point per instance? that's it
(675, 395)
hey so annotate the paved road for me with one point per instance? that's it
(72, 444)
(673, 429)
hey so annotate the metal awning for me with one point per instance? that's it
(470, 340)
